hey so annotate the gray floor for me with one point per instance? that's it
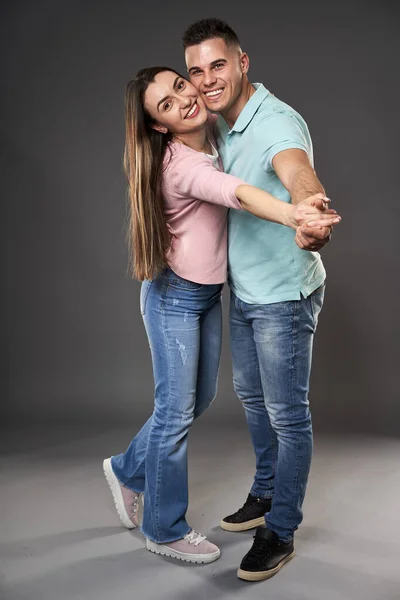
(60, 538)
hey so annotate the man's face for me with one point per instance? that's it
(217, 71)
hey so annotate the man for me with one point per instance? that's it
(277, 289)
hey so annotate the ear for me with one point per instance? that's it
(244, 62)
(159, 128)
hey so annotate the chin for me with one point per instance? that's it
(217, 106)
(200, 120)
(203, 114)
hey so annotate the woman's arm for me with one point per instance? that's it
(267, 207)
(192, 175)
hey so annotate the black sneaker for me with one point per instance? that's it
(249, 516)
(267, 555)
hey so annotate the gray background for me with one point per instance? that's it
(76, 373)
(74, 345)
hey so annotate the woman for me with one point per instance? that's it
(179, 200)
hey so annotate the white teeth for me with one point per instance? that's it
(213, 93)
(191, 111)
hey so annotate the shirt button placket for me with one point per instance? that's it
(228, 146)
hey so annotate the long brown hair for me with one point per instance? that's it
(145, 148)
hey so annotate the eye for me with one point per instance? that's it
(195, 72)
(167, 105)
(218, 66)
(181, 85)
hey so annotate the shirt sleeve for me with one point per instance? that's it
(194, 176)
(282, 131)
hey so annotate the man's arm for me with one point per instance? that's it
(295, 171)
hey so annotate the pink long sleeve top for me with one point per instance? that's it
(197, 197)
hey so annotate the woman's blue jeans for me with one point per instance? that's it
(183, 322)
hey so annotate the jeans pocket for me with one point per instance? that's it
(144, 292)
(317, 300)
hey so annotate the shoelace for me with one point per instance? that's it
(260, 549)
(194, 537)
(249, 502)
(134, 507)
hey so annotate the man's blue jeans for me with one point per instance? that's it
(271, 350)
(184, 326)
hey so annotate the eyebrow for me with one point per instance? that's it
(214, 62)
(166, 97)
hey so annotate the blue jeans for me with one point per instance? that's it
(271, 348)
(183, 321)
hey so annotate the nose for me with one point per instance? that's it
(209, 78)
(185, 101)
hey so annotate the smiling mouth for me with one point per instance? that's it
(213, 94)
(193, 110)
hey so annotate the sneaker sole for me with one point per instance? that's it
(261, 575)
(242, 526)
(192, 558)
(116, 493)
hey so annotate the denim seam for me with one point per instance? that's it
(260, 390)
(314, 311)
(295, 329)
(295, 315)
(125, 484)
(146, 295)
(162, 445)
(196, 416)
(143, 312)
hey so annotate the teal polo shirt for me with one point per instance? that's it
(264, 263)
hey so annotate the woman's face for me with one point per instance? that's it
(175, 104)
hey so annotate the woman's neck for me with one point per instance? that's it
(197, 140)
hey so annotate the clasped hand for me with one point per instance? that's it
(314, 222)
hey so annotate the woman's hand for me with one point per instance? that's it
(314, 212)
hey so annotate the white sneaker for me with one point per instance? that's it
(192, 548)
(126, 501)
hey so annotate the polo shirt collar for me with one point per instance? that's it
(250, 108)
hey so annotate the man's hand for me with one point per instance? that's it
(295, 171)
(315, 222)
(312, 238)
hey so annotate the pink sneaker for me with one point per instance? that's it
(126, 501)
(192, 548)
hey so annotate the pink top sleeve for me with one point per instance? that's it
(197, 178)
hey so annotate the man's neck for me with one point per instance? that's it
(234, 111)
(197, 140)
